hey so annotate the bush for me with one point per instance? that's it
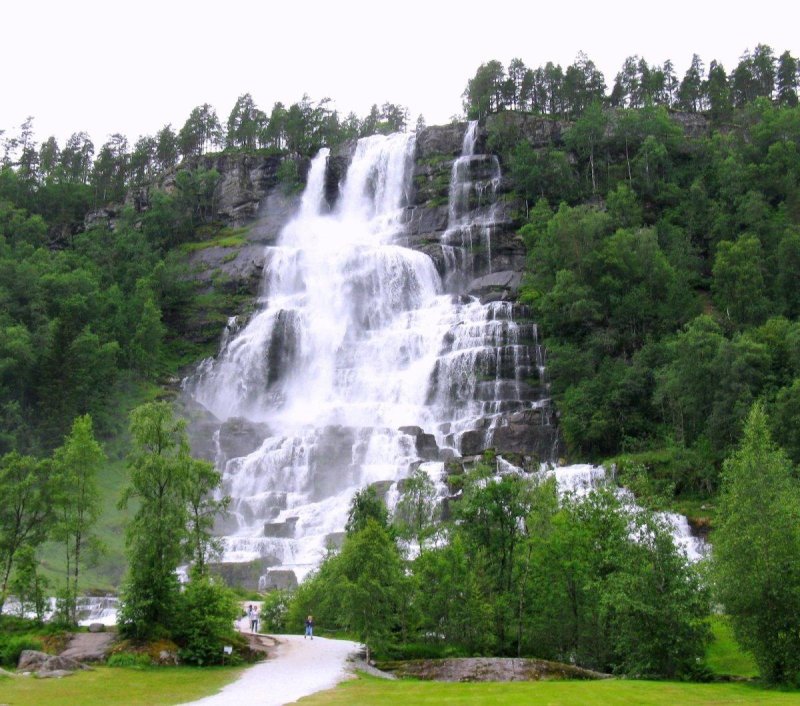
(12, 646)
(204, 621)
(289, 176)
(136, 660)
(275, 610)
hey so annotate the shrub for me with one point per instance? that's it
(136, 660)
(275, 610)
(12, 646)
(204, 621)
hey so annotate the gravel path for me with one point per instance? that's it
(298, 668)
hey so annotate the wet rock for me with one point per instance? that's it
(474, 442)
(240, 437)
(538, 130)
(244, 574)
(506, 282)
(439, 140)
(543, 442)
(284, 529)
(382, 487)
(335, 172)
(335, 540)
(425, 444)
(280, 578)
(425, 224)
(97, 627)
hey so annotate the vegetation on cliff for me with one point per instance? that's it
(662, 226)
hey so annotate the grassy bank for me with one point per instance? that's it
(372, 691)
(724, 657)
(134, 687)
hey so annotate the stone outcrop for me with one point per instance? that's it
(245, 180)
(93, 646)
(424, 444)
(239, 267)
(245, 574)
(428, 216)
(46, 665)
(540, 131)
(284, 579)
(475, 669)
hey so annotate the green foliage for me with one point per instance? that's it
(26, 512)
(453, 606)
(132, 660)
(366, 506)
(416, 509)
(76, 465)
(724, 656)
(635, 607)
(289, 176)
(11, 646)
(361, 589)
(203, 622)
(275, 611)
(756, 542)
(172, 522)
(28, 585)
(738, 281)
(522, 572)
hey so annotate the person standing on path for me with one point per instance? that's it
(309, 628)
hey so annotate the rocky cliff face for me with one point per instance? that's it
(488, 259)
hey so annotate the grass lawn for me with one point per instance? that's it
(103, 686)
(373, 692)
(724, 656)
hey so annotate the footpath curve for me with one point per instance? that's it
(298, 667)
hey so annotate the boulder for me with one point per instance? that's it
(35, 661)
(93, 646)
(168, 657)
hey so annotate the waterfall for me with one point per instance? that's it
(360, 365)
(472, 206)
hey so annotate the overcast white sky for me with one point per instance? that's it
(109, 66)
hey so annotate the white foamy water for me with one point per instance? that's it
(580, 479)
(355, 339)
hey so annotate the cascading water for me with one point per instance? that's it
(359, 367)
(472, 207)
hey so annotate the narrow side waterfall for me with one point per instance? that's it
(472, 208)
(361, 364)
